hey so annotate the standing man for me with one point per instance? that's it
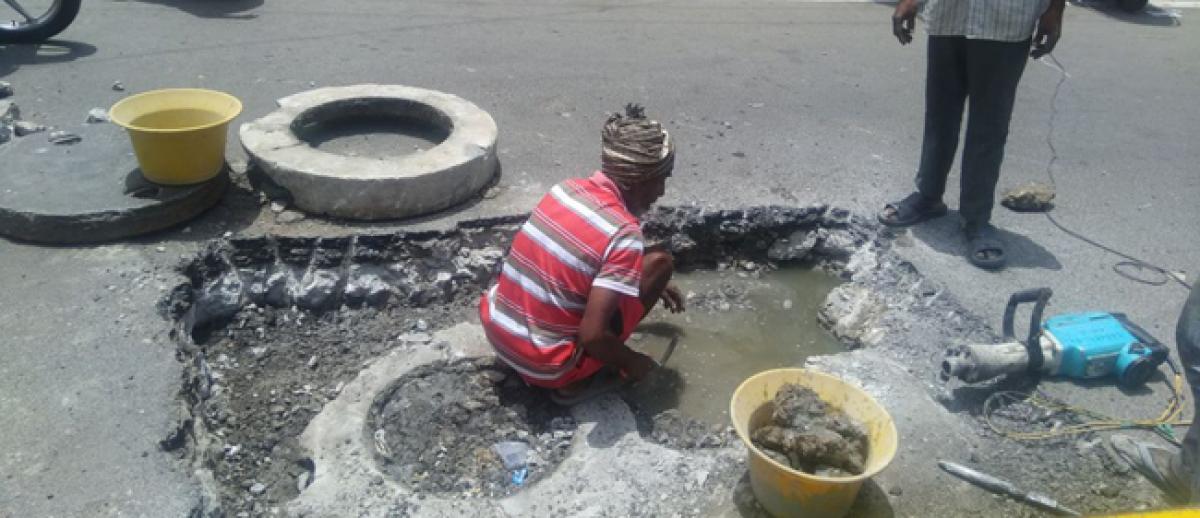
(1177, 473)
(977, 52)
(577, 278)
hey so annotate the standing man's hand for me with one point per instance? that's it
(1049, 29)
(904, 20)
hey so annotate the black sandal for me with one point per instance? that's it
(911, 210)
(981, 241)
(1142, 457)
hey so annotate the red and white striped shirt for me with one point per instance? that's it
(580, 236)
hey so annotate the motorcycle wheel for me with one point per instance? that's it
(36, 27)
(1132, 6)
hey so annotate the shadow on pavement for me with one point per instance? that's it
(606, 433)
(945, 235)
(1151, 15)
(236, 211)
(228, 9)
(14, 56)
(658, 393)
(872, 501)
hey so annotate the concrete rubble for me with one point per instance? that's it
(9, 112)
(97, 116)
(1031, 197)
(26, 128)
(11, 123)
(64, 138)
(355, 314)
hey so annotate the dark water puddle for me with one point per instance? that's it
(735, 326)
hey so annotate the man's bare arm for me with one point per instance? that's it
(1049, 29)
(904, 20)
(598, 340)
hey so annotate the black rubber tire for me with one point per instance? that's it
(57, 20)
(1132, 6)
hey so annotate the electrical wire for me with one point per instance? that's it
(1090, 420)
(1094, 421)
(1130, 263)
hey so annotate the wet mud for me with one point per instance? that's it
(270, 328)
(809, 435)
(446, 427)
(253, 386)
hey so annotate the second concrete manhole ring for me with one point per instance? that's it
(359, 187)
(446, 428)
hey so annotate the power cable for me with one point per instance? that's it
(1089, 420)
(1131, 263)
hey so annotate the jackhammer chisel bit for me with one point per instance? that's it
(1003, 487)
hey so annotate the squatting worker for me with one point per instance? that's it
(578, 278)
(977, 52)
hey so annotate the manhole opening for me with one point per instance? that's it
(446, 428)
(272, 328)
(373, 128)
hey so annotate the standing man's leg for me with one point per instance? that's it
(945, 94)
(994, 70)
(1176, 473)
(1186, 466)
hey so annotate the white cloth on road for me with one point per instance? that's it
(1000, 20)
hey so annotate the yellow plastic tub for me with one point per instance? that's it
(784, 491)
(178, 134)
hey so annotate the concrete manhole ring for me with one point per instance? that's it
(358, 187)
(606, 456)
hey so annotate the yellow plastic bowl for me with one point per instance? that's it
(178, 134)
(784, 491)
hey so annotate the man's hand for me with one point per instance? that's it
(1049, 30)
(672, 299)
(638, 367)
(598, 340)
(904, 20)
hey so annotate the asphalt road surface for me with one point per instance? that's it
(770, 102)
